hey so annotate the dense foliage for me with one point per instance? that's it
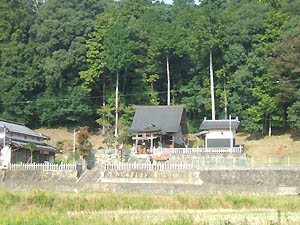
(61, 60)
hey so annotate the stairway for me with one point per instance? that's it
(90, 176)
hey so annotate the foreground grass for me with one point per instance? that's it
(41, 207)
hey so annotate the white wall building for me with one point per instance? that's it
(14, 138)
(219, 133)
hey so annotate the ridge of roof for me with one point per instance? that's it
(219, 124)
(233, 120)
(12, 122)
(160, 106)
(20, 128)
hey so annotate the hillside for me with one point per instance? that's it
(66, 136)
(274, 146)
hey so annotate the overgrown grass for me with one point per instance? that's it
(120, 201)
(42, 207)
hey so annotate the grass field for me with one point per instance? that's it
(41, 207)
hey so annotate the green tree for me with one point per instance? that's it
(95, 54)
(118, 56)
(15, 19)
(31, 147)
(284, 64)
(294, 112)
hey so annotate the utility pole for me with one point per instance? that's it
(270, 126)
(74, 144)
(169, 83)
(225, 97)
(231, 135)
(4, 133)
(212, 92)
(117, 104)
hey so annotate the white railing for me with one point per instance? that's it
(107, 151)
(146, 166)
(42, 166)
(209, 162)
(200, 163)
(274, 162)
(197, 151)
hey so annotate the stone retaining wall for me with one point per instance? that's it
(206, 181)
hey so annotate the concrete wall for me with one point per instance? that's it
(212, 181)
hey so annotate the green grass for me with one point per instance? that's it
(42, 207)
(120, 201)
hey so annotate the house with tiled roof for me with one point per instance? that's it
(14, 141)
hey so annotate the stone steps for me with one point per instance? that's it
(91, 176)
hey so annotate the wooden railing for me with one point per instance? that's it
(42, 166)
(197, 151)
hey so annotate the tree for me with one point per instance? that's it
(32, 147)
(163, 43)
(294, 112)
(15, 19)
(95, 54)
(250, 84)
(83, 145)
(107, 120)
(118, 56)
(284, 64)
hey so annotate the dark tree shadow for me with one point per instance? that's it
(243, 134)
(256, 136)
(295, 135)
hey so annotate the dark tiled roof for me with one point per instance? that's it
(40, 146)
(20, 129)
(158, 118)
(219, 124)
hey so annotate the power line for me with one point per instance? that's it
(83, 98)
(133, 94)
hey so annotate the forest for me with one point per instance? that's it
(62, 61)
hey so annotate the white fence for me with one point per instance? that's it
(108, 151)
(42, 166)
(203, 162)
(146, 166)
(208, 162)
(183, 151)
(197, 151)
(274, 162)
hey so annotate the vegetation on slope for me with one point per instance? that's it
(60, 61)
